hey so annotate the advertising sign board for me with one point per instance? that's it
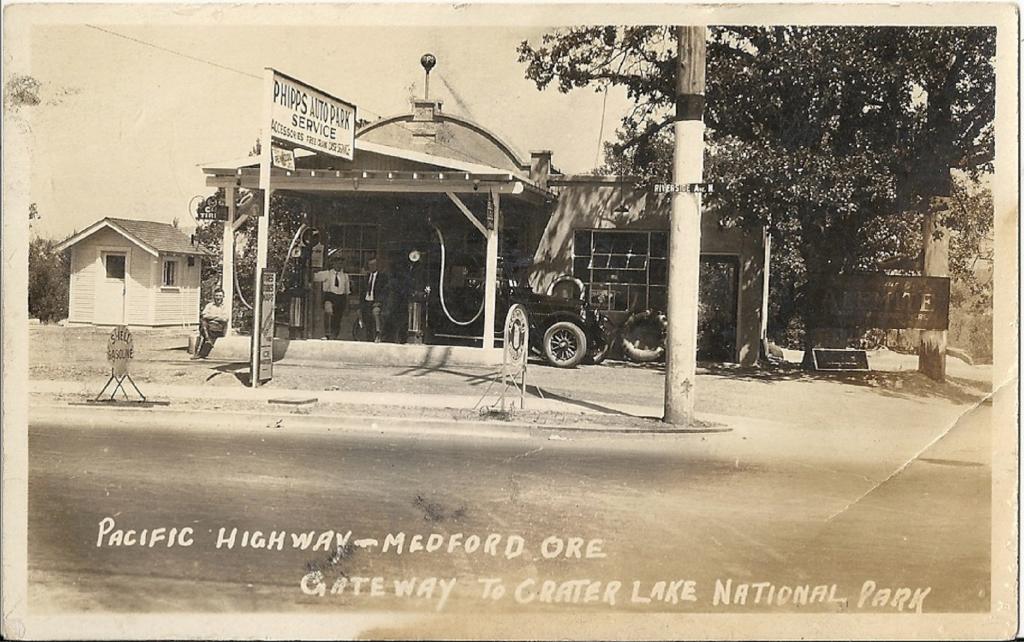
(311, 119)
(268, 292)
(212, 208)
(283, 158)
(880, 301)
(120, 350)
(840, 360)
(516, 342)
(516, 339)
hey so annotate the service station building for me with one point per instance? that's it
(477, 214)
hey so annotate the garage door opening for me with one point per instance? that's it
(717, 308)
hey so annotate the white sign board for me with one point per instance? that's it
(283, 158)
(120, 350)
(516, 339)
(310, 118)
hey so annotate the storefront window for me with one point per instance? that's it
(356, 244)
(626, 271)
(623, 269)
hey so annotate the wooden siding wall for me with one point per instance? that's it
(82, 298)
(138, 308)
(87, 270)
(178, 305)
(146, 302)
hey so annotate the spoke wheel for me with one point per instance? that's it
(565, 344)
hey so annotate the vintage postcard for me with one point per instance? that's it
(510, 321)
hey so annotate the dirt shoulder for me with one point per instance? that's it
(791, 394)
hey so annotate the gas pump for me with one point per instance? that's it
(441, 293)
(417, 300)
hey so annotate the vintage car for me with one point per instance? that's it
(565, 331)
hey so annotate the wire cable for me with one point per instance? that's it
(256, 77)
(172, 51)
(600, 133)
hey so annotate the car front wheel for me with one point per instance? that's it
(565, 344)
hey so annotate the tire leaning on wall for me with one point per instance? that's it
(644, 336)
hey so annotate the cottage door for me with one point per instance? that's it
(110, 288)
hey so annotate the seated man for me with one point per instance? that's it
(213, 323)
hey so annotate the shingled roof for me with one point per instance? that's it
(157, 238)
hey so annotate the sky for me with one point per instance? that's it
(124, 126)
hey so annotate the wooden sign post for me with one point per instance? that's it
(291, 111)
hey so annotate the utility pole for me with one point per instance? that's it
(684, 227)
(262, 231)
(931, 352)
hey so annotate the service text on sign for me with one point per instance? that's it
(311, 119)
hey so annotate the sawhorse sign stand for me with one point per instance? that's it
(120, 351)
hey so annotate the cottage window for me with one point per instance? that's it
(114, 265)
(624, 270)
(170, 273)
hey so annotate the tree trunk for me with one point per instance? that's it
(820, 267)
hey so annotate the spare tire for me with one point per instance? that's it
(567, 287)
(644, 335)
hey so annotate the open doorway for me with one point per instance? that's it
(717, 308)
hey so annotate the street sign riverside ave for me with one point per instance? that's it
(880, 301)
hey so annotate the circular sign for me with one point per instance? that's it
(120, 350)
(516, 337)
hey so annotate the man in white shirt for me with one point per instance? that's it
(374, 297)
(213, 323)
(336, 288)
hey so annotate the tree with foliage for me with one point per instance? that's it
(836, 138)
(287, 214)
(49, 272)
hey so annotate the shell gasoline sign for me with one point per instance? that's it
(120, 350)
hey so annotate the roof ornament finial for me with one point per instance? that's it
(428, 61)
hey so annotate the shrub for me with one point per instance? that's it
(49, 272)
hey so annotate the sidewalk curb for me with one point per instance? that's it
(214, 420)
(457, 402)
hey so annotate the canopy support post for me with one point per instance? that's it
(491, 274)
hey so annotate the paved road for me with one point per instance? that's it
(668, 508)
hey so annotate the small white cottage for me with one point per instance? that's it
(139, 273)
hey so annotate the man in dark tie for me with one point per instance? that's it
(375, 297)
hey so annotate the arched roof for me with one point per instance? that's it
(445, 135)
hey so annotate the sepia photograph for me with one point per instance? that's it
(510, 321)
